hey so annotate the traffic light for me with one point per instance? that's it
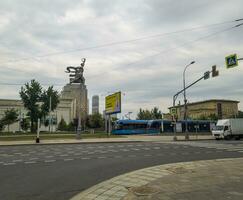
(206, 75)
(214, 71)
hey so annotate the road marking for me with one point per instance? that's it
(63, 155)
(30, 162)
(84, 158)
(102, 157)
(18, 153)
(147, 155)
(49, 156)
(33, 158)
(8, 163)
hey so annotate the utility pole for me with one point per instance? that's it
(185, 100)
(50, 114)
(205, 76)
(38, 132)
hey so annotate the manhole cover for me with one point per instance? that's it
(143, 190)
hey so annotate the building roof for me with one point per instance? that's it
(206, 101)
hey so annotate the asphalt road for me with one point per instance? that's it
(59, 172)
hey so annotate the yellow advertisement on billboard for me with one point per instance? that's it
(113, 103)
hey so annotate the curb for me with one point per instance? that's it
(118, 187)
(66, 143)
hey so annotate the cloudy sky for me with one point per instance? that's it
(140, 47)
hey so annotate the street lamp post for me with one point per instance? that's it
(185, 100)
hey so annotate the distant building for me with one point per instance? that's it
(66, 109)
(220, 108)
(95, 104)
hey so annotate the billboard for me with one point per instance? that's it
(113, 103)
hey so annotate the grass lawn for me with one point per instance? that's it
(51, 136)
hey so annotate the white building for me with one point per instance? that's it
(66, 109)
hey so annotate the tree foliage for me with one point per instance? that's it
(10, 116)
(25, 124)
(30, 94)
(37, 101)
(62, 126)
(95, 121)
(49, 95)
(146, 114)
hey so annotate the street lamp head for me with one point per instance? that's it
(192, 62)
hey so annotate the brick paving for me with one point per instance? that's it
(212, 179)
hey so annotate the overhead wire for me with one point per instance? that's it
(121, 42)
(157, 54)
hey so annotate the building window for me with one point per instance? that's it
(219, 110)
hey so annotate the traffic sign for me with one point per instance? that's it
(173, 111)
(231, 61)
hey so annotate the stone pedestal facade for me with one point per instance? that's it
(79, 93)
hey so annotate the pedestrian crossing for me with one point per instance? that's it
(231, 146)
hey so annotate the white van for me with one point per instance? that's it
(228, 128)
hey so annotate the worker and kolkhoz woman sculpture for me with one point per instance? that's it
(76, 73)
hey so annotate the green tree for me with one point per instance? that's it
(10, 116)
(25, 124)
(62, 126)
(95, 120)
(144, 114)
(31, 94)
(1, 125)
(49, 95)
(156, 113)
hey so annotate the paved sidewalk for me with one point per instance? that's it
(213, 179)
(128, 138)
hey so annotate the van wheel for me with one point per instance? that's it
(237, 137)
(227, 137)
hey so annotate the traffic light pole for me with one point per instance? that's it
(181, 91)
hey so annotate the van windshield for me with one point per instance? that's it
(219, 128)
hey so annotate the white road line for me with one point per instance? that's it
(102, 157)
(84, 158)
(29, 162)
(49, 156)
(33, 158)
(18, 153)
(63, 155)
(8, 163)
(17, 160)
(147, 155)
